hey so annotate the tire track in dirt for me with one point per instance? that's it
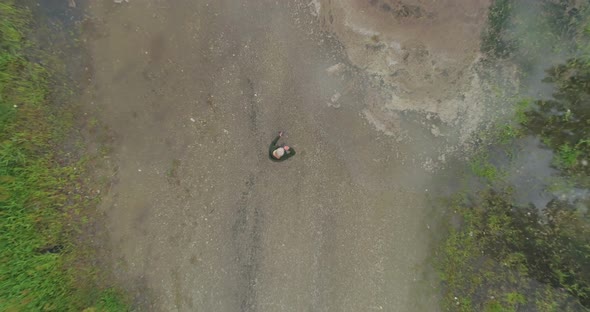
(246, 234)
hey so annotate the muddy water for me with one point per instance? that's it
(199, 218)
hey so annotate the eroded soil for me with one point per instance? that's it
(422, 58)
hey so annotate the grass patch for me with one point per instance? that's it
(509, 258)
(494, 42)
(481, 167)
(520, 112)
(567, 156)
(110, 300)
(37, 190)
(508, 133)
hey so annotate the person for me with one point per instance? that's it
(280, 152)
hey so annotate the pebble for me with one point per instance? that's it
(334, 105)
(335, 69)
(335, 97)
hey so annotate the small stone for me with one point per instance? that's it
(334, 105)
(435, 131)
(192, 119)
(335, 69)
(335, 97)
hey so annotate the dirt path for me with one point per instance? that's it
(199, 218)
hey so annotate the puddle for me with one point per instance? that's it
(531, 173)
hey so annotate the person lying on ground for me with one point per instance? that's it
(280, 152)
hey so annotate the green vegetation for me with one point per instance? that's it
(493, 41)
(520, 112)
(564, 121)
(502, 256)
(110, 300)
(508, 258)
(508, 133)
(40, 194)
(481, 167)
(531, 31)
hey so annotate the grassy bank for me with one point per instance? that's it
(38, 191)
(500, 255)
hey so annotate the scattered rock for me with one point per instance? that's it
(72, 3)
(336, 69)
(316, 7)
(435, 131)
(334, 105)
(335, 97)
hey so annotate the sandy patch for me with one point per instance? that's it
(421, 55)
